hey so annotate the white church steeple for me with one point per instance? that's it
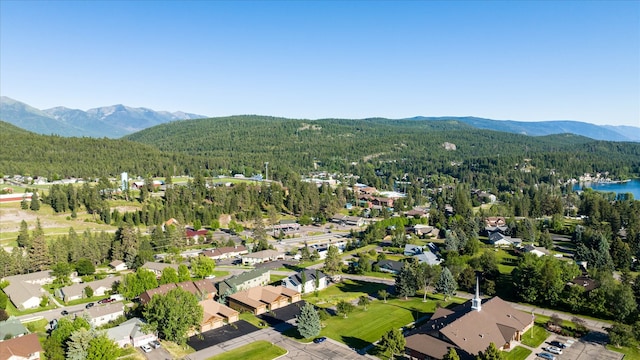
(476, 303)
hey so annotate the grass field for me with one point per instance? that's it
(517, 353)
(535, 336)
(379, 317)
(630, 353)
(259, 350)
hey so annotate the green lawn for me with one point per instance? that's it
(258, 350)
(252, 319)
(535, 336)
(379, 318)
(517, 353)
(276, 279)
(630, 353)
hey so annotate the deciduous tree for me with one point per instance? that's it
(174, 314)
(393, 342)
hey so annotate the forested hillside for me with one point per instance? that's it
(393, 147)
(27, 153)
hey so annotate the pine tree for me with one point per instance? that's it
(35, 202)
(38, 252)
(406, 284)
(23, 236)
(446, 284)
(332, 261)
(308, 321)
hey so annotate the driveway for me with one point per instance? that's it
(221, 335)
(284, 314)
(157, 354)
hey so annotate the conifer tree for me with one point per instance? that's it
(446, 284)
(308, 321)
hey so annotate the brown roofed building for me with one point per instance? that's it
(21, 348)
(469, 328)
(260, 299)
(225, 252)
(216, 315)
(205, 288)
(146, 296)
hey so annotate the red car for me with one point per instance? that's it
(106, 301)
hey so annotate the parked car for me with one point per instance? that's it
(106, 301)
(319, 340)
(146, 348)
(64, 313)
(89, 305)
(553, 350)
(547, 356)
(558, 344)
(155, 344)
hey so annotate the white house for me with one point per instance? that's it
(261, 256)
(118, 265)
(24, 295)
(312, 280)
(130, 333)
(498, 239)
(102, 314)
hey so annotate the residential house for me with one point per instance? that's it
(226, 252)
(130, 333)
(216, 315)
(259, 300)
(495, 223)
(345, 220)
(21, 348)
(157, 267)
(35, 278)
(198, 236)
(146, 296)
(11, 328)
(390, 266)
(24, 295)
(203, 289)
(102, 314)
(537, 251)
(260, 257)
(425, 230)
(77, 291)
(118, 265)
(306, 281)
(496, 238)
(245, 280)
(424, 254)
(469, 329)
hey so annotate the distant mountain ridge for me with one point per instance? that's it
(109, 121)
(551, 127)
(116, 121)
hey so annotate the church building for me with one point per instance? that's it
(469, 329)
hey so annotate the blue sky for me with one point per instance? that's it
(519, 60)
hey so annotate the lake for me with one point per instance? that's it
(632, 186)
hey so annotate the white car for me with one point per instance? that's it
(554, 350)
(146, 348)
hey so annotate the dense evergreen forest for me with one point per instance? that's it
(380, 151)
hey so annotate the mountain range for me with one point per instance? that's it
(109, 121)
(119, 120)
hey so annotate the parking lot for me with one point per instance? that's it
(588, 347)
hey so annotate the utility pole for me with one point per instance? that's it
(266, 167)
